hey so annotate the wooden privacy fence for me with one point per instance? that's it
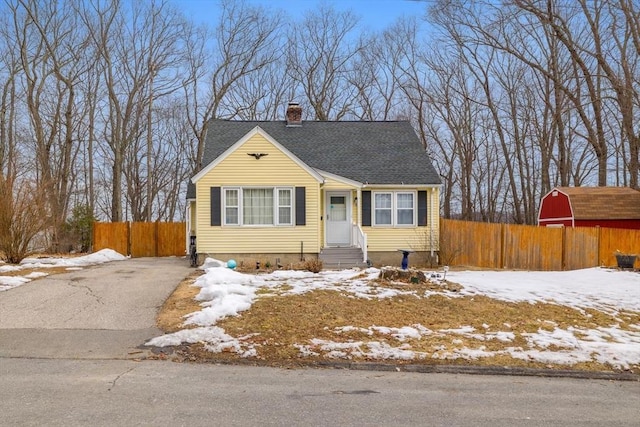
(527, 247)
(141, 239)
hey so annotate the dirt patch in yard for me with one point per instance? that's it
(180, 303)
(277, 326)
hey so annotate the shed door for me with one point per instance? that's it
(338, 218)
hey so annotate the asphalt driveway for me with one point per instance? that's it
(101, 312)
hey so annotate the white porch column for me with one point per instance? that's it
(359, 207)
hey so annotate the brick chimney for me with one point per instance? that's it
(294, 114)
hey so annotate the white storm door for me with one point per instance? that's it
(338, 215)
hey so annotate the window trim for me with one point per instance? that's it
(273, 206)
(394, 209)
(413, 208)
(236, 206)
(375, 209)
(276, 206)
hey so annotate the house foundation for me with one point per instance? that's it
(418, 259)
(260, 261)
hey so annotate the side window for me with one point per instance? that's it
(285, 207)
(405, 208)
(395, 208)
(231, 207)
(382, 209)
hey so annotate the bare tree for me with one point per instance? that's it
(50, 41)
(172, 164)
(321, 59)
(377, 71)
(10, 66)
(587, 82)
(553, 86)
(140, 54)
(259, 95)
(247, 41)
(411, 76)
(104, 24)
(22, 216)
(616, 47)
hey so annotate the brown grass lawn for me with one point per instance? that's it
(276, 324)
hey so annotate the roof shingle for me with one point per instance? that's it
(603, 202)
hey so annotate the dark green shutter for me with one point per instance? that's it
(216, 207)
(366, 208)
(422, 208)
(301, 206)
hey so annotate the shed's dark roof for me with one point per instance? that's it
(367, 152)
(603, 202)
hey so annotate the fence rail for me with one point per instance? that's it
(141, 239)
(476, 244)
(529, 247)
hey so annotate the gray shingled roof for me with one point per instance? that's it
(368, 152)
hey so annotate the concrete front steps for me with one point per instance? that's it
(339, 258)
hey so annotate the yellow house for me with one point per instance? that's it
(350, 193)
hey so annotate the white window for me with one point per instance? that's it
(338, 206)
(394, 209)
(258, 206)
(285, 207)
(383, 210)
(231, 207)
(404, 209)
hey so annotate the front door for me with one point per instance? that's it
(338, 215)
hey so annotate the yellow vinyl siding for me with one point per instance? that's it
(418, 238)
(390, 239)
(239, 169)
(334, 185)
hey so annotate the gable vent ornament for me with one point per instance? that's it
(257, 155)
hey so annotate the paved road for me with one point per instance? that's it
(104, 312)
(158, 393)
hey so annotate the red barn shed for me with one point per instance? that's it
(613, 207)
